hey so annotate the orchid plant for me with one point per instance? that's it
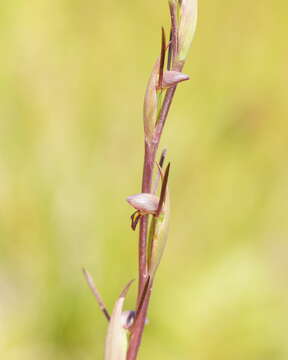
(152, 211)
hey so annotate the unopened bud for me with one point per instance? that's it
(187, 26)
(172, 78)
(116, 344)
(144, 202)
(151, 103)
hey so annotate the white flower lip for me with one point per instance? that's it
(172, 78)
(144, 202)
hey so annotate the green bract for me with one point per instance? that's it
(158, 237)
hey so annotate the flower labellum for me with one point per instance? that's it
(172, 78)
(144, 202)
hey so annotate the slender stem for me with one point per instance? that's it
(149, 158)
(138, 327)
(165, 107)
(164, 112)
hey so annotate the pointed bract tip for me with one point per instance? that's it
(125, 290)
(162, 158)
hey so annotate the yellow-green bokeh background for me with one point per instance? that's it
(72, 78)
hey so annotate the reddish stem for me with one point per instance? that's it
(138, 327)
(149, 158)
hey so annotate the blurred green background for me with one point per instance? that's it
(72, 79)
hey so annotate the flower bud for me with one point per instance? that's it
(151, 103)
(144, 202)
(172, 78)
(187, 26)
(116, 344)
